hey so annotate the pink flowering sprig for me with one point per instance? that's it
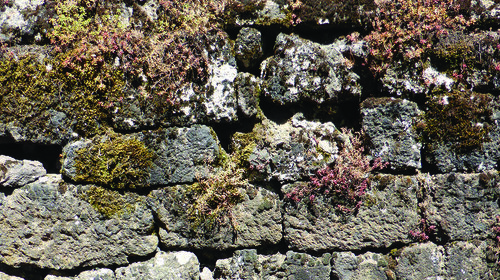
(405, 30)
(346, 182)
(424, 232)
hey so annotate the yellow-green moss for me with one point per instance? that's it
(114, 161)
(457, 119)
(30, 89)
(107, 202)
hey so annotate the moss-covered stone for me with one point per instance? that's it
(114, 161)
(107, 202)
(458, 119)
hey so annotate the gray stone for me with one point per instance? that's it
(347, 266)
(248, 47)
(444, 157)
(248, 89)
(463, 206)
(48, 224)
(303, 266)
(18, 18)
(388, 123)
(386, 217)
(213, 101)
(302, 71)
(247, 264)
(403, 81)
(287, 152)
(255, 221)
(467, 260)
(17, 173)
(179, 265)
(486, 11)
(179, 154)
(95, 274)
(252, 13)
(4, 276)
(422, 261)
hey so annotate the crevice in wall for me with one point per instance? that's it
(25, 271)
(225, 131)
(48, 155)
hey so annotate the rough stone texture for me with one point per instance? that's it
(399, 81)
(18, 18)
(287, 152)
(422, 261)
(369, 266)
(388, 123)
(17, 173)
(248, 88)
(258, 219)
(467, 260)
(302, 70)
(46, 224)
(180, 154)
(266, 12)
(486, 11)
(179, 265)
(247, 264)
(388, 214)
(463, 206)
(95, 274)
(248, 47)
(215, 101)
(4, 276)
(445, 158)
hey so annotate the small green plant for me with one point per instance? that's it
(405, 30)
(115, 162)
(345, 183)
(215, 196)
(456, 118)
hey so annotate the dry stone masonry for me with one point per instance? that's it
(249, 139)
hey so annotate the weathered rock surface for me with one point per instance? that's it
(179, 265)
(257, 219)
(248, 47)
(369, 266)
(247, 264)
(179, 154)
(302, 70)
(47, 224)
(287, 152)
(248, 88)
(386, 217)
(214, 101)
(461, 260)
(18, 18)
(388, 123)
(17, 173)
(463, 206)
(101, 274)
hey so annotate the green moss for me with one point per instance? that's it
(109, 203)
(456, 119)
(30, 89)
(114, 161)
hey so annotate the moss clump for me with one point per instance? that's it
(31, 89)
(214, 197)
(115, 162)
(107, 202)
(456, 119)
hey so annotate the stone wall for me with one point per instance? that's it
(230, 150)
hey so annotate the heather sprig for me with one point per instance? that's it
(405, 30)
(346, 182)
